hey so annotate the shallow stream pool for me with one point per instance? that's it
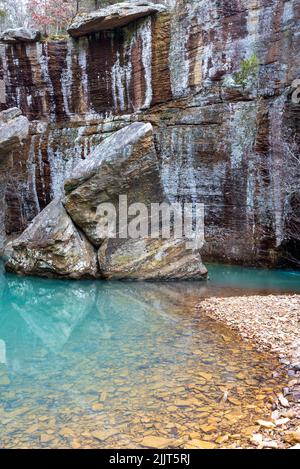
(128, 365)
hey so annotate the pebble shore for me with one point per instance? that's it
(271, 323)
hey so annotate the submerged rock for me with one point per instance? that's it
(20, 35)
(52, 247)
(111, 17)
(154, 441)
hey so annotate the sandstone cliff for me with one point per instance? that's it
(216, 81)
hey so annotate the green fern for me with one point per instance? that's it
(249, 68)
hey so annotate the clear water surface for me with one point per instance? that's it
(127, 365)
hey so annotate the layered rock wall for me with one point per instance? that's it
(215, 80)
(63, 239)
(13, 129)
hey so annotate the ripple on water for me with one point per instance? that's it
(125, 365)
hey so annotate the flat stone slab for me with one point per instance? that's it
(111, 17)
(20, 35)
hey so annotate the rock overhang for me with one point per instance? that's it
(112, 17)
(24, 35)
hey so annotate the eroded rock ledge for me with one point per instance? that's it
(26, 35)
(112, 17)
(63, 239)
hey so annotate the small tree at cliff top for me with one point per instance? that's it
(52, 16)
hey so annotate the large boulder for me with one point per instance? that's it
(113, 16)
(14, 128)
(52, 247)
(150, 259)
(127, 164)
(13, 36)
(124, 164)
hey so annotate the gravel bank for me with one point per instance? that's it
(271, 323)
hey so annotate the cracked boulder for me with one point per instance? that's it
(127, 164)
(113, 16)
(52, 247)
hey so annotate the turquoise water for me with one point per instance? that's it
(95, 364)
(249, 279)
